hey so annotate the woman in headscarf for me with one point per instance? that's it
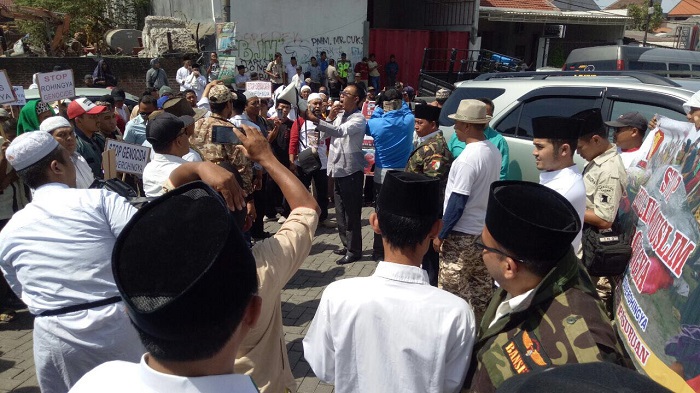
(102, 76)
(32, 114)
(63, 133)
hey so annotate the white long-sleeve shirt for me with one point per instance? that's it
(56, 252)
(569, 183)
(390, 332)
(181, 76)
(196, 83)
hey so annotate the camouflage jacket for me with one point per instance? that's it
(563, 324)
(432, 158)
(216, 153)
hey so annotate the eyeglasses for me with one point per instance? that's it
(345, 93)
(480, 243)
(619, 130)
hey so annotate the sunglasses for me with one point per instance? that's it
(480, 244)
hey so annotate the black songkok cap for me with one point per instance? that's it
(181, 263)
(534, 222)
(592, 122)
(556, 127)
(427, 112)
(410, 195)
(597, 377)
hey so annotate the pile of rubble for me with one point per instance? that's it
(155, 37)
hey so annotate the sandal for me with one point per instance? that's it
(7, 316)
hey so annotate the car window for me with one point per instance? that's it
(648, 111)
(600, 65)
(519, 121)
(646, 66)
(464, 93)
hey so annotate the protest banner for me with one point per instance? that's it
(368, 109)
(226, 45)
(19, 93)
(7, 94)
(56, 85)
(128, 157)
(658, 300)
(262, 89)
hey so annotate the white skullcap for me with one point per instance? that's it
(54, 122)
(305, 87)
(693, 102)
(29, 148)
(313, 96)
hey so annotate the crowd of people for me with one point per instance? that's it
(474, 284)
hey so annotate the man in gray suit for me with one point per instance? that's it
(346, 125)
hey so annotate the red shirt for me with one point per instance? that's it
(363, 69)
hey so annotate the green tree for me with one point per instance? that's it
(91, 17)
(639, 17)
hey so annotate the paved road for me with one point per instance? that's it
(299, 301)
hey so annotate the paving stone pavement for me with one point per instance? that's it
(299, 301)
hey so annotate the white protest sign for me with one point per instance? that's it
(19, 93)
(130, 158)
(7, 94)
(262, 89)
(57, 85)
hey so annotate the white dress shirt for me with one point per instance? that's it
(120, 377)
(83, 174)
(181, 76)
(196, 83)
(158, 171)
(390, 332)
(56, 252)
(569, 183)
(513, 304)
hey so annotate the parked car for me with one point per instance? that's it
(92, 93)
(520, 97)
(662, 61)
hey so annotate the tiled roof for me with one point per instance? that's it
(685, 8)
(576, 5)
(543, 5)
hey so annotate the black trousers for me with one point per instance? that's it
(260, 201)
(377, 245)
(348, 210)
(431, 264)
(321, 180)
(274, 198)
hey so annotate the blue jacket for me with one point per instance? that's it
(393, 136)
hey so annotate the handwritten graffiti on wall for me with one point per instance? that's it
(256, 50)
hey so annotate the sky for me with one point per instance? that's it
(667, 5)
(604, 3)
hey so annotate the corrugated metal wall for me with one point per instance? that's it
(408, 46)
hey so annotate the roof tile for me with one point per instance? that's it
(685, 8)
(519, 4)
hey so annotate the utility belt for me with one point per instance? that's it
(80, 307)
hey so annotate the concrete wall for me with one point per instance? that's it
(130, 71)
(301, 28)
(185, 9)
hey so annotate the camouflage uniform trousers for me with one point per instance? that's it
(463, 273)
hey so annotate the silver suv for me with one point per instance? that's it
(520, 97)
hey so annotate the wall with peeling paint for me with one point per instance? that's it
(301, 28)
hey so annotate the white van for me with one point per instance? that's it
(674, 63)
